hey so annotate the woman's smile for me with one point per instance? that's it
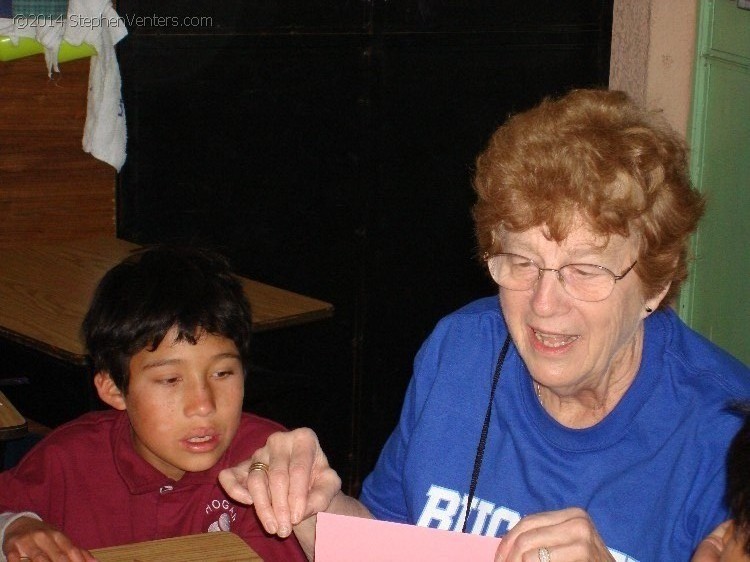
(553, 341)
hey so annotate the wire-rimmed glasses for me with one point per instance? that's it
(582, 281)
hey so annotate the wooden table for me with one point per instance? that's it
(12, 424)
(204, 547)
(45, 291)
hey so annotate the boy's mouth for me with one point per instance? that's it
(202, 441)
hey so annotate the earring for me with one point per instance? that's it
(649, 309)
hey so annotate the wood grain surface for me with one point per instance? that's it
(50, 188)
(46, 289)
(204, 547)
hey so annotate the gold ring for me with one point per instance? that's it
(543, 554)
(258, 466)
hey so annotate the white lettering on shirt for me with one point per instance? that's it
(441, 507)
(446, 509)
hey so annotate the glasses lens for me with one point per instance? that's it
(584, 282)
(513, 272)
(587, 282)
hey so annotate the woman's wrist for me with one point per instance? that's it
(342, 504)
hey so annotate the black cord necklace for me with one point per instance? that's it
(485, 430)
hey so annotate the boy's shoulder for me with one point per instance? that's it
(86, 434)
(98, 423)
(74, 444)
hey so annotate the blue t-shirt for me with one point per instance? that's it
(651, 474)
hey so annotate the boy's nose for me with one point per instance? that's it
(200, 401)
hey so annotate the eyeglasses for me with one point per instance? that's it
(582, 281)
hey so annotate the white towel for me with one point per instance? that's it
(96, 22)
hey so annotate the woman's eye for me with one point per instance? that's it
(583, 272)
(523, 267)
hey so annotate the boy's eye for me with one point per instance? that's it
(169, 380)
(223, 374)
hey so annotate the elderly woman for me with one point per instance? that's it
(576, 415)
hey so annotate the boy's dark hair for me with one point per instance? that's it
(139, 300)
(738, 483)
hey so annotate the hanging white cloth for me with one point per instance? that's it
(96, 23)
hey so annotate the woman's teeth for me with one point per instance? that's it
(200, 439)
(552, 340)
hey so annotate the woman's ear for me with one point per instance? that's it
(108, 391)
(654, 302)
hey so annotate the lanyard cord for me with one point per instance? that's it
(485, 430)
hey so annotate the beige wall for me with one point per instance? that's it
(653, 51)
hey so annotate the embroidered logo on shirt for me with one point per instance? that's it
(224, 512)
(223, 524)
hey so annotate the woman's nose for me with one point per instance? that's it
(548, 295)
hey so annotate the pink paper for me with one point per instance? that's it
(347, 539)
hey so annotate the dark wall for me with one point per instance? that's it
(327, 148)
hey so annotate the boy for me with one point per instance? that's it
(730, 542)
(168, 332)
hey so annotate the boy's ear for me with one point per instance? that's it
(108, 391)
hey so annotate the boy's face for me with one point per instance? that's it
(734, 546)
(184, 402)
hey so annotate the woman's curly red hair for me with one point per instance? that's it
(592, 154)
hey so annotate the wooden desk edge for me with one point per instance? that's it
(37, 345)
(231, 549)
(20, 426)
(14, 432)
(311, 309)
(296, 320)
(82, 360)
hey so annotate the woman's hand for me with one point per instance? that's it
(29, 539)
(298, 483)
(568, 535)
(710, 548)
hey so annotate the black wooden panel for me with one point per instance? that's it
(177, 17)
(477, 16)
(328, 148)
(43, 388)
(439, 102)
(253, 145)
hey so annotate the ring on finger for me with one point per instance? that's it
(544, 554)
(263, 467)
